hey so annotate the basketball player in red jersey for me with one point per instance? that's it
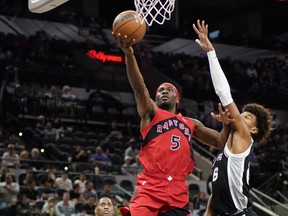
(166, 153)
(230, 178)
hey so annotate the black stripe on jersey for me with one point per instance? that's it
(153, 131)
(246, 185)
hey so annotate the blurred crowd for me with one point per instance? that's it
(54, 137)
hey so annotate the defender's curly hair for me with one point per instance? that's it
(263, 120)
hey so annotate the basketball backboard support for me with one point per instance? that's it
(41, 6)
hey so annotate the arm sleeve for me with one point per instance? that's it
(219, 80)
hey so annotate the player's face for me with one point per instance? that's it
(104, 207)
(251, 121)
(166, 97)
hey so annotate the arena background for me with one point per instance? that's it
(63, 84)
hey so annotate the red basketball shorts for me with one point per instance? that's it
(158, 194)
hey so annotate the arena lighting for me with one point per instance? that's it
(20, 134)
(214, 34)
(101, 56)
(41, 6)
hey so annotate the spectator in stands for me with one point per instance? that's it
(69, 105)
(200, 202)
(75, 195)
(63, 182)
(40, 124)
(52, 93)
(46, 191)
(48, 208)
(129, 131)
(10, 158)
(23, 207)
(89, 190)
(23, 158)
(107, 191)
(96, 104)
(30, 191)
(79, 155)
(126, 167)
(114, 131)
(61, 130)
(66, 93)
(9, 191)
(104, 207)
(101, 157)
(4, 172)
(16, 141)
(28, 176)
(251, 71)
(65, 206)
(50, 176)
(35, 159)
(109, 148)
(82, 182)
(132, 150)
(50, 131)
(137, 166)
(89, 207)
(193, 212)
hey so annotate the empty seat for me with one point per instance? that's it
(65, 148)
(91, 135)
(78, 134)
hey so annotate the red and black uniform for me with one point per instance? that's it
(166, 155)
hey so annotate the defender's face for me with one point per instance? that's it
(166, 97)
(251, 121)
(104, 208)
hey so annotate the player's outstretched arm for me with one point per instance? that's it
(145, 106)
(212, 137)
(220, 83)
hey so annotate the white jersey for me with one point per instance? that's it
(230, 181)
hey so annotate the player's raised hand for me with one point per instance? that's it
(202, 31)
(123, 43)
(223, 115)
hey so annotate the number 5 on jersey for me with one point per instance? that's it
(175, 140)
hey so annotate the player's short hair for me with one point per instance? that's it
(263, 120)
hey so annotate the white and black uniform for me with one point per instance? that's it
(230, 182)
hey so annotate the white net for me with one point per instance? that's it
(154, 10)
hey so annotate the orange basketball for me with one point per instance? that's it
(128, 23)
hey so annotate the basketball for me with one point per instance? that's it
(128, 23)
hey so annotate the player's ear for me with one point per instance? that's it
(254, 130)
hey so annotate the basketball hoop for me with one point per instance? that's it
(154, 10)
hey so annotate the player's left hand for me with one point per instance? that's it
(202, 31)
(223, 115)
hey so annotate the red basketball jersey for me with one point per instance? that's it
(167, 145)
